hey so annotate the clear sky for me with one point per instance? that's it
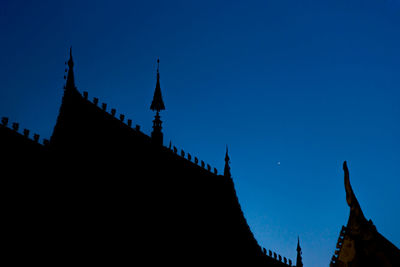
(294, 88)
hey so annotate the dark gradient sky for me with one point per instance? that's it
(308, 84)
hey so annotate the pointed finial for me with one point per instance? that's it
(299, 261)
(157, 104)
(70, 61)
(350, 197)
(227, 168)
(356, 214)
(298, 244)
(70, 83)
(226, 155)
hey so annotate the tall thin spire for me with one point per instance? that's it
(227, 168)
(157, 105)
(70, 83)
(299, 262)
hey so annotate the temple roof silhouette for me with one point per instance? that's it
(100, 191)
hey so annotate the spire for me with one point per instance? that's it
(227, 169)
(299, 262)
(70, 84)
(157, 105)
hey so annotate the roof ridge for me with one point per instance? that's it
(112, 112)
(174, 150)
(275, 256)
(196, 161)
(25, 133)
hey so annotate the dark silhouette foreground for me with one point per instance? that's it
(102, 192)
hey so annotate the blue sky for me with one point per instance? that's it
(308, 84)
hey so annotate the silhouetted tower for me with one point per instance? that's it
(227, 168)
(157, 105)
(299, 262)
(70, 84)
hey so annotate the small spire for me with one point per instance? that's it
(298, 244)
(70, 84)
(70, 61)
(227, 169)
(157, 104)
(299, 262)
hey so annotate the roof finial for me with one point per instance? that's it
(70, 61)
(298, 244)
(350, 197)
(355, 208)
(227, 169)
(299, 262)
(70, 84)
(157, 105)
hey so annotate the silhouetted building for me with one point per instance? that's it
(359, 243)
(100, 191)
